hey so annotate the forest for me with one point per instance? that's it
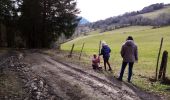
(36, 23)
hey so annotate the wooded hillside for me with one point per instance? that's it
(155, 15)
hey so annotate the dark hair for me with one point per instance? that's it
(94, 55)
(129, 38)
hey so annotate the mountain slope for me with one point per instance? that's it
(84, 21)
(155, 14)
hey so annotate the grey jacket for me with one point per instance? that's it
(129, 51)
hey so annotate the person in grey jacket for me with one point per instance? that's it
(129, 53)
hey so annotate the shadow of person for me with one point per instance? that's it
(144, 95)
(109, 75)
(166, 81)
(132, 88)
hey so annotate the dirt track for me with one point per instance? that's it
(47, 78)
(70, 82)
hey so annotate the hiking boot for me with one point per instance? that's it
(119, 79)
(129, 81)
(110, 69)
(105, 68)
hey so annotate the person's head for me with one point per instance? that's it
(129, 38)
(94, 55)
(104, 43)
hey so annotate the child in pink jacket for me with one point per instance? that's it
(95, 62)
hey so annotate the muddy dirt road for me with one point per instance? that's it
(70, 82)
(51, 79)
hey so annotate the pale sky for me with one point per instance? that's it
(94, 10)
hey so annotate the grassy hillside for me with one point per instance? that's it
(148, 41)
(155, 14)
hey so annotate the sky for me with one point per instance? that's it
(94, 10)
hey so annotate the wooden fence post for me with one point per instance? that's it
(99, 46)
(163, 66)
(81, 51)
(70, 55)
(156, 75)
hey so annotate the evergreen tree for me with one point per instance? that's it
(9, 18)
(5, 8)
(43, 21)
(40, 22)
(30, 22)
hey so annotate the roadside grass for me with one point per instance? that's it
(148, 41)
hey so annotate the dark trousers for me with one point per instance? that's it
(106, 61)
(129, 70)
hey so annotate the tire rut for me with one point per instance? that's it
(102, 86)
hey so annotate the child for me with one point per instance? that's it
(95, 62)
(105, 51)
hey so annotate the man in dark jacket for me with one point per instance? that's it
(105, 51)
(129, 53)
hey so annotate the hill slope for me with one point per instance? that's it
(153, 15)
(148, 41)
(156, 13)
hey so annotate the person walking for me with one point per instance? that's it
(105, 51)
(129, 53)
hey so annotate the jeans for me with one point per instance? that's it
(129, 70)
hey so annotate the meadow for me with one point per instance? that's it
(148, 41)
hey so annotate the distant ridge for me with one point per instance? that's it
(155, 15)
(84, 21)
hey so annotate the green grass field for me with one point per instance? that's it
(147, 39)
